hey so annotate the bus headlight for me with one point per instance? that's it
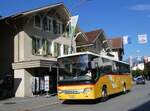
(60, 91)
(87, 90)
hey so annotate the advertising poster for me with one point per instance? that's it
(46, 86)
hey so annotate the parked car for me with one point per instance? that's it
(140, 80)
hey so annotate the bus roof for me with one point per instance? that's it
(91, 53)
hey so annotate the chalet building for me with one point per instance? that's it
(30, 43)
(96, 42)
(117, 49)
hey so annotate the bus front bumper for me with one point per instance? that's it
(76, 94)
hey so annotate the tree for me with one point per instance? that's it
(136, 73)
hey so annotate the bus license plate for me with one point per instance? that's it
(71, 96)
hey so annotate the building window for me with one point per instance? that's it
(57, 49)
(59, 27)
(47, 24)
(54, 27)
(68, 31)
(35, 45)
(66, 49)
(37, 21)
(44, 47)
(40, 46)
(49, 52)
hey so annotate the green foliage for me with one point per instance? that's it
(139, 72)
(136, 73)
(145, 71)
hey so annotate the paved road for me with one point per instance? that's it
(27, 103)
(136, 100)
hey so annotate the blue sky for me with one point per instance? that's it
(115, 17)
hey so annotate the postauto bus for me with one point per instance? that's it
(107, 76)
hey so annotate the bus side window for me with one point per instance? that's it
(97, 72)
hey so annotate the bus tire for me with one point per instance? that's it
(124, 88)
(104, 94)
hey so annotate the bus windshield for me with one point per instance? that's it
(75, 68)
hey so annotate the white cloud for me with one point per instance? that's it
(140, 7)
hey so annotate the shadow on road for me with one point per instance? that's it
(82, 102)
(142, 107)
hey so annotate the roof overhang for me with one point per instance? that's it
(25, 13)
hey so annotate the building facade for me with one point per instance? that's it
(95, 42)
(117, 49)
(35, 39)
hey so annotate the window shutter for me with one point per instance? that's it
(55, 49)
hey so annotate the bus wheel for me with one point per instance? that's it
(104, 94)
(124, 89)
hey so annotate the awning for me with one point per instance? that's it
(33, 64)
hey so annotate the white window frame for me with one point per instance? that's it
(49, 47)
(38, 37)
(40, 23)
(57, 50)
(64, 49)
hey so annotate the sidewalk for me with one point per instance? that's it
(27, 103)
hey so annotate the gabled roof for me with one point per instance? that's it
(35, 10)
(116, 43)
(91, 36)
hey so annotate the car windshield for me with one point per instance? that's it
(140, 79)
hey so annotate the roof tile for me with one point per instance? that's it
(91, 36)
(115, 43)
